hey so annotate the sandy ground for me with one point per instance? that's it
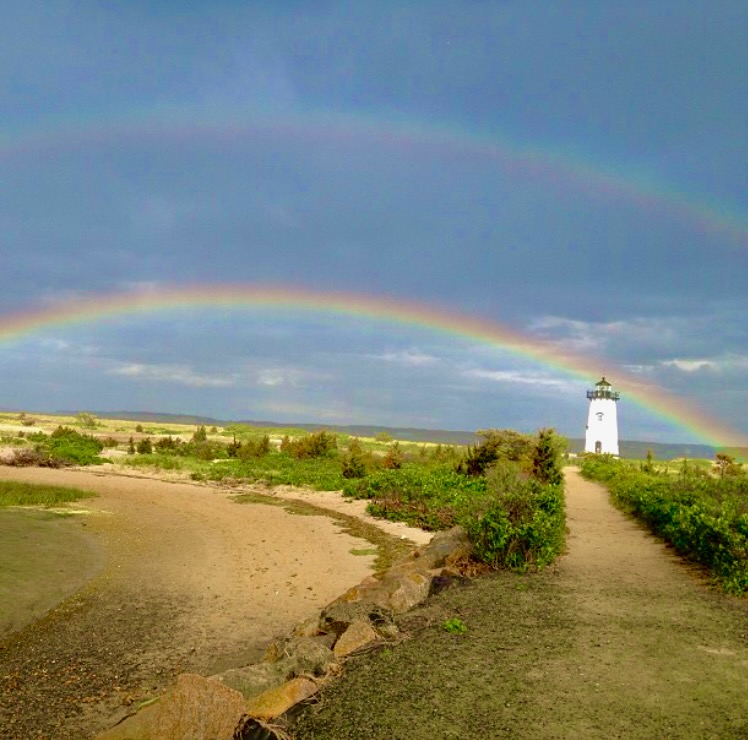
(223, 578)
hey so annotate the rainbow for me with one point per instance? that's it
(98, 308)
(546, 164)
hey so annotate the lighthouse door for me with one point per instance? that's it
(598, 447)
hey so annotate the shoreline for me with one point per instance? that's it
(193, 581)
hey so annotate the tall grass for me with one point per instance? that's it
(17, 493)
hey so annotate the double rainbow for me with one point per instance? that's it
(89, 310)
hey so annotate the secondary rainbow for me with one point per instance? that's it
(97, 308)
(543, 162)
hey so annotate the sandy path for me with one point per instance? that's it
(206, 582)
(650, 639)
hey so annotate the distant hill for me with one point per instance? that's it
(442, 436)
(634, 450)
(631, 449)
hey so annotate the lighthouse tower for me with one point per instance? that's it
(602, 420)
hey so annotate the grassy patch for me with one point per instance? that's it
(17, 493)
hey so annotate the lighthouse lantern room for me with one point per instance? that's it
(602, 420)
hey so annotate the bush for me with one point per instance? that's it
(317, 444)
(355, 461)
(497, 444)
(166, 445)
(252, 448)
(86, 420)
(523, 523)
(393, 459)
(69, 447)
(144, 446)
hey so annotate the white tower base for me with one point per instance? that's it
(602, 427)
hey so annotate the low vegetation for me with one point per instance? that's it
(16, 493)
(702, 513)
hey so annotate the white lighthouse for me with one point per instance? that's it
(602, 420)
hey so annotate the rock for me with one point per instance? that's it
(445, 549)
(196, 708)
(404, 588)
(274, 702)
(358, 635)
(309, 655)
(339, 615)
(252, 680)
(307, 628)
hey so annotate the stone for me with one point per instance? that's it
(307, 628)
(358, 635)
(310, 655)
(196, 708)
(404, 588)
(445, 549)
(339, 615)
(277, 701)
(254, 679)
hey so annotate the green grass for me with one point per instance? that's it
(280, 469)
(17, 493)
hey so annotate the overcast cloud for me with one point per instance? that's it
(575, 171)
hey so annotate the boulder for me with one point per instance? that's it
(306, 655)
(255, 679)
(277, 701)
(339, 615)
(445, 549)
(405, 587)
(196, 708)
(358, 635)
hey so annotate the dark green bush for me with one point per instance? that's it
(514, 512)
(253, 448)
(355, 461)
(69, 447)
(496, 444)
(316, 444)
(144, 446)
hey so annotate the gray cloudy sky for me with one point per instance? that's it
(573, 170)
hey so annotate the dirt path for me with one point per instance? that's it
(619, 639)
(192, 581)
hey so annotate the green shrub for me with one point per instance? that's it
(496, 444)
(521, 523)
(69, 447)
(253, 448)
(355, 461)
(165, 445)
(316, 444)
(393, 458)
(144, 446)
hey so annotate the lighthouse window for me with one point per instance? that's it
(600, 415)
